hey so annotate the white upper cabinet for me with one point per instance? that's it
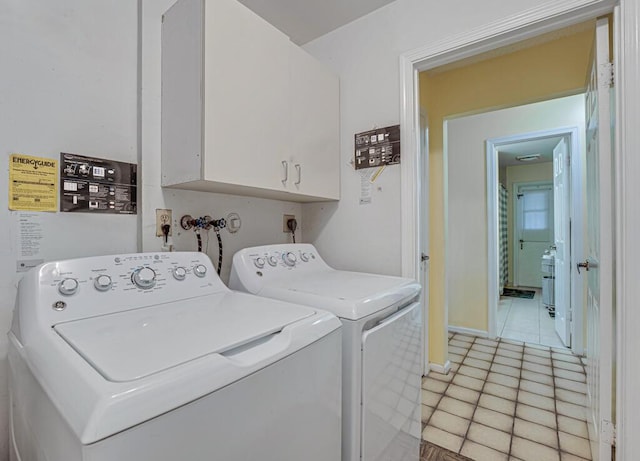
(244, 110)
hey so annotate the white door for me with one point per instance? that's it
(598, 266)
(534, 231)
(424, 237)
(561, 188)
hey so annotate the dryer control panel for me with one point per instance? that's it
(81, 288)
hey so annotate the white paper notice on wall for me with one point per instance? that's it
(28, 238)
(365, 187)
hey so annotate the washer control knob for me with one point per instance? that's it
(102, 282)
(272, 260)
(179, 273)
(304, 257)
(68, 287)
(144, 278)
(200, 270)
(259, 262)
(289, 259)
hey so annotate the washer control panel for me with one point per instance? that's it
(281, 258)
(85, 287)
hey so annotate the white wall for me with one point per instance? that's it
(467, 192)
(365, 54)
(261, 218)
(68, 84)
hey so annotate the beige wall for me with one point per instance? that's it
(554, 68)
(517, 174)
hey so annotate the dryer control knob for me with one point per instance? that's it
(304, 257)
(102, 283)
(68, 287)
(272, 260)
(259, 262)
(200, 270)
(179, 273)
(144, 278)
(289, 259)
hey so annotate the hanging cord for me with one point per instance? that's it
(219, 251)
(292, 225)
(199, 238)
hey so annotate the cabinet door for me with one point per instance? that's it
(315, 127)
(246, 95)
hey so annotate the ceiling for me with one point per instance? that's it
(507, 153)
(305, 20)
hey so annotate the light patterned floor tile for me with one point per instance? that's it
(487, 342)
(536, 415)
(571, 410)
(516, 363)
(479, 452)
(576, 398)
(480, 355)
(456, 358)
(460, 344)
(536, 368)
(573, 426)
(477, 363)
(427, 411)
(569, 457)
(529, 350)
(537, 377)
(497, 404)
(505, 352)
(503, 380)
(441, 376)
(462, 393)
(566, 358)
(536, 400)
(578, 368)
(536, 388)
(490, 437)
(527, 450)
(485, 349)
(574, 445)
(450, 423)
(430, 398)
(499, 390)
(546, 361)
(457, 350)
(456, 407)
(474, 372)
(493, 419)
(571, 375)
(570, 385)
(535, 432)
(468, 382)
(434, 385)
(442, 438)
(505, 370)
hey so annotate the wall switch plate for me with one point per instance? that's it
(163, 216)
(286, 218)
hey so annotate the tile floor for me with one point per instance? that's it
(527, 320)
(507, 400)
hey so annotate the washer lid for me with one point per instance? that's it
(130, 345)
(350, 295)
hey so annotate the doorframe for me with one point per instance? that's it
(544, 18)
(576, 236)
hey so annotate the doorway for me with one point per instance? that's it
(543, 189)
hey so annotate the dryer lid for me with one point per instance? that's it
(130, 345)
(349, 295)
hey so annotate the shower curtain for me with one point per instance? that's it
(503, 271)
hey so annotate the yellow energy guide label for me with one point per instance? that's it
(33, 183)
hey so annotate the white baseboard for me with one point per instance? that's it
(469, 331)
(442, 369)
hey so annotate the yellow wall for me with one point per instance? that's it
(552, 69)
(522, 173)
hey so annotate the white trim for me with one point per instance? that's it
(469, 331)
(493, 219)
(442, 369)
(627, 171)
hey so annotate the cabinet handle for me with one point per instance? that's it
(285, 165)
(299, 170)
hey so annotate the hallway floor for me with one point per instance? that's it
(527, 320)
(507, 400)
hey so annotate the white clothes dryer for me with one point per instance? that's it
(381, 318)
(150, 357)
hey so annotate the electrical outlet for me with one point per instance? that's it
(286, 218)
(163, 217)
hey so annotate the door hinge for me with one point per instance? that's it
(605, 75)
(608, 432)
(520, 196)
(570, 315)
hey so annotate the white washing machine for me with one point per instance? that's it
(150, 357)
(381, 319)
